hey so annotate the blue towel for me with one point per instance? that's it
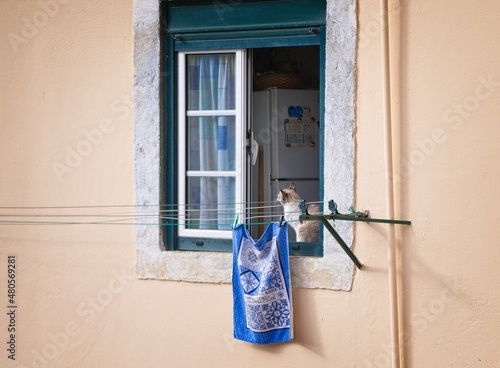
(262, 294)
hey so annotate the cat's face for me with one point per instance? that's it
(288, 195)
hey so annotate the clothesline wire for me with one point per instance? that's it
(168, 218)
(124, 217)
(221, 226)
(226, 222)
(168, 207)
(143, 210)
(128, 215)
(174, 215)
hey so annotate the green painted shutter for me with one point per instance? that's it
(233, 15)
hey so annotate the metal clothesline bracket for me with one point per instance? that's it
(335, 215)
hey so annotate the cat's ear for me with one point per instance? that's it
(283, 194)
(292, 186)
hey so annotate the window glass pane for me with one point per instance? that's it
(211, 203)
(211, 137)
(211, 81)
(211, 143)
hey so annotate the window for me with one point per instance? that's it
(211, 137)
(154, 146)
(213, 54)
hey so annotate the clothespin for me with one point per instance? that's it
(303, 207)
(282, 219)
(332, 206)
(235, 223)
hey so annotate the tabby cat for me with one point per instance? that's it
(307, 231)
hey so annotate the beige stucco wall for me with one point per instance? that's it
(70, 74)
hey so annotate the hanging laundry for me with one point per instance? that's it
(262, 293)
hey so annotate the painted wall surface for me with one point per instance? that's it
(66, 128)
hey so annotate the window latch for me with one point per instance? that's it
(252, 147)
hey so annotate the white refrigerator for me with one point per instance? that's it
(285, 125)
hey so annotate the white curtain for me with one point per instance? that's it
(212, 87)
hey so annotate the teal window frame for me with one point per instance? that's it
(209, 25)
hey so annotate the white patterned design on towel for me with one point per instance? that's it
(249, 281)
(267, 305)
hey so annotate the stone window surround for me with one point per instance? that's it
(334, 270)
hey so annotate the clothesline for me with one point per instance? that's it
(162, 207)
(143, 215)
(225, 222)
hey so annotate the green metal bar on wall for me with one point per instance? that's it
(335, 215)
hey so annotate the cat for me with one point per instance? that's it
(307, 231)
